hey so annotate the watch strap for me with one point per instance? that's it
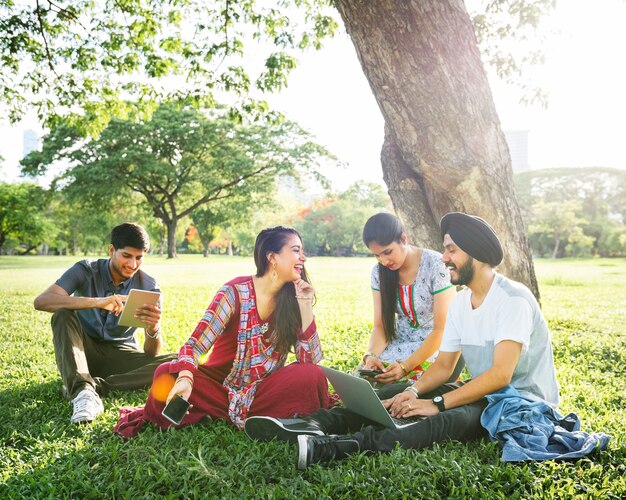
(439, 403)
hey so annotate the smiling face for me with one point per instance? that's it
(290, 260)
(460, 264)
(393, 255)
(125, 262)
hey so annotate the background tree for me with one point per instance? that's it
(574, 211)
(334, 225)
(84, 226)
(23, 217)
(111, 58)
(281, 207)
(179, 160)
(555, 224)
(208, 222)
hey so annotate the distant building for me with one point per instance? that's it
(518, 147)
(31, 142)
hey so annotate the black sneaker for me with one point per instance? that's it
(314, 449)
(284, 429)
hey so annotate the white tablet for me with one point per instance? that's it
(137, 298)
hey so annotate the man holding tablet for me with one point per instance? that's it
(94, 352)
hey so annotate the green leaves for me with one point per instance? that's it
(178, 160)
(59, 58)
(23, 217)
(573, 211)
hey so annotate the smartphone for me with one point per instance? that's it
(369, 373)
(176, 409)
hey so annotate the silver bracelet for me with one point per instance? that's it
(303, 297)
(413, 391)
(155, 336)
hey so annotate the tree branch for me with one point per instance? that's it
(208, 196)
(42, 30)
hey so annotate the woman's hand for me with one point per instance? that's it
(304, 290)
(182, 387)
(391, 373)
(373, 363)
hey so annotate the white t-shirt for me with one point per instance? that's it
(509, 312)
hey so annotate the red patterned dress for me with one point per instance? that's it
(244, 375)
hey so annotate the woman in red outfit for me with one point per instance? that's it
(248, 330)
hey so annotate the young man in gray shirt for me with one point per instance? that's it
(495, 323)
(95, 354)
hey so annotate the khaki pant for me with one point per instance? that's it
(85, 362)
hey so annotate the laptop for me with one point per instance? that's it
(359, 396)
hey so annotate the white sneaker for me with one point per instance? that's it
(87, 406)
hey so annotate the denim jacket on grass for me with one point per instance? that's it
(530, 429)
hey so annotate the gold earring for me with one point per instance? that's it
(274, 274)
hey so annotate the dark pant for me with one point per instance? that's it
(85, 362)
(460, 424)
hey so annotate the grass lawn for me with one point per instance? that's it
(43, 455)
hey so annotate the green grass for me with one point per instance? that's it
(43, 455)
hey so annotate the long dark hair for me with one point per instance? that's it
(383, 229)
(287, 313)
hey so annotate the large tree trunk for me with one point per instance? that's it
(444, 150)
(171, 238)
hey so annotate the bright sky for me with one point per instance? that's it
(584, 75)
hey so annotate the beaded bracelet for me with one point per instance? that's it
(303, 297)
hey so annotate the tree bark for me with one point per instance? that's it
(171, 238)
(444, 149)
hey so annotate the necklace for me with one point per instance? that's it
(265, 327)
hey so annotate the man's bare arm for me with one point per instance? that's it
(505, 357)
(55, 298)
(438, 373)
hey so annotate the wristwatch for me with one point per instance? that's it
(439, 403)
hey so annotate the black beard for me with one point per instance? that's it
(465, 272)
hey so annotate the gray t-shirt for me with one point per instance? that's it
(509, 312)
(92, 278)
